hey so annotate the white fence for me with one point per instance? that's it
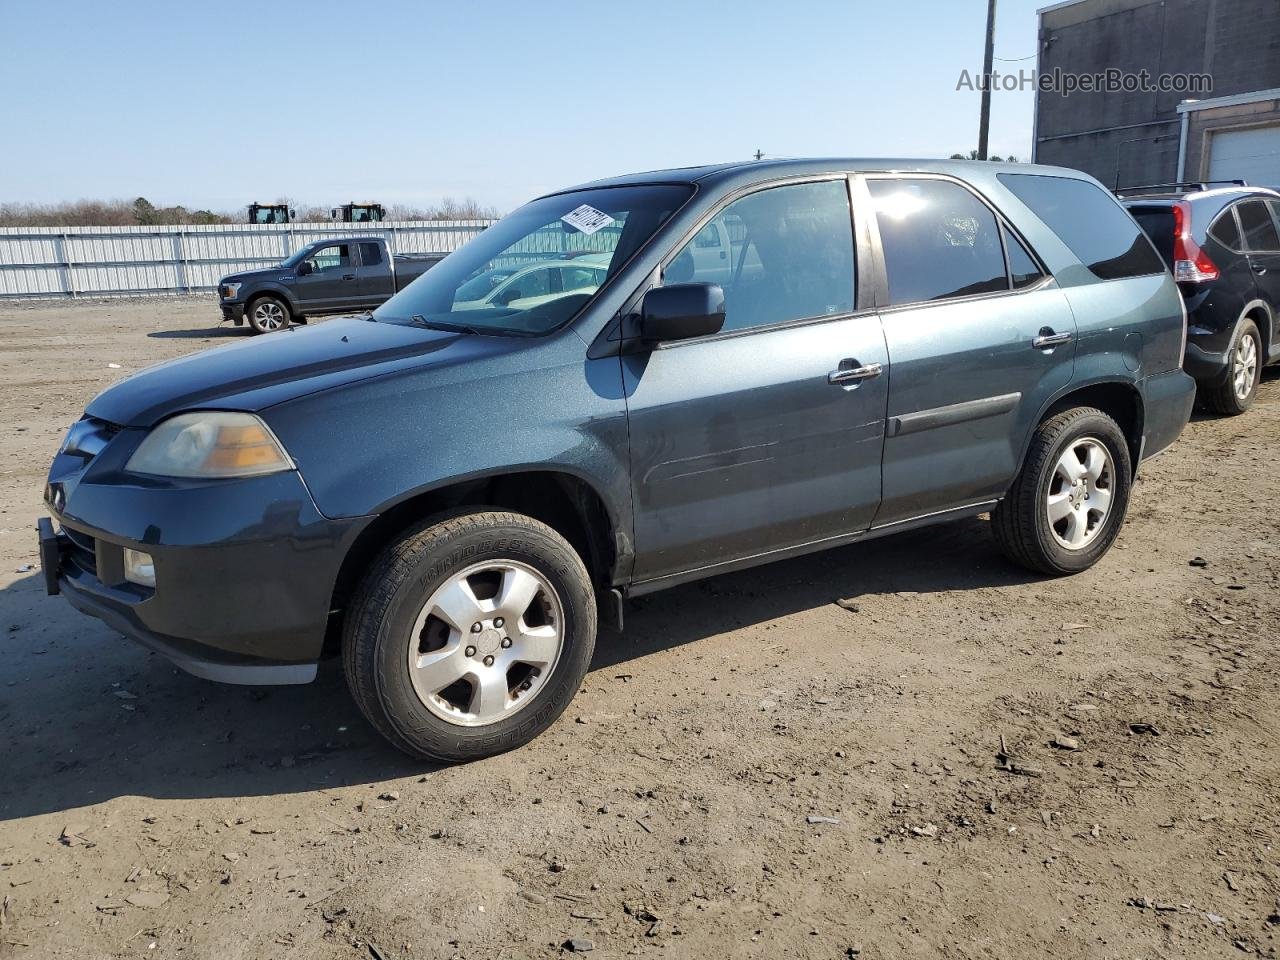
(46, 262)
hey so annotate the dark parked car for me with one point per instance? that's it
(450, 490)
(329, 276)
(1223, 246)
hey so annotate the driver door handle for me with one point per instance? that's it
(851, 374)
(348, 276)
(1047, 339)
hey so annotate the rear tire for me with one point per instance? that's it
(1067, 504)
(1244, 371)
(470, 635)
(267, 314)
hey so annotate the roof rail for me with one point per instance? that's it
(1185, 186)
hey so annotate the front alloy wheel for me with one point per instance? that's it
(485, 642)
(268, 315)
(469, 635)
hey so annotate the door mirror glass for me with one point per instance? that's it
(680, 311)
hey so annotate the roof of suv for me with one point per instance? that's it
(748, 171)
(1220, 195)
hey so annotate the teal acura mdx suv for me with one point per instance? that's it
(720, 366)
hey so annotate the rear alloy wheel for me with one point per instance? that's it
(268, 314)
(1065, 508)
(1235, 396)
(470, 635)
(1079, 497)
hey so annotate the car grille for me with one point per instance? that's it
(82, 550)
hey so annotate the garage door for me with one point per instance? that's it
(1252, 155)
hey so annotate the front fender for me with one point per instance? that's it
(275, 288)
(365, 447)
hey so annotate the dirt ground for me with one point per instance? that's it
(751, 770)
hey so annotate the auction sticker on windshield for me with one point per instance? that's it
(587, 219)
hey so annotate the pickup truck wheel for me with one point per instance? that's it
(1066, 506)
(1244, 356)
(268, 314)
(470, 635)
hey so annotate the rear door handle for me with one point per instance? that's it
(1258, 268)
(851, 374)
(348, 276)
(1047, 338)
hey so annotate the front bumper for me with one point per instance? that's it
(232, 310)
(245, 569)
(1167, 399)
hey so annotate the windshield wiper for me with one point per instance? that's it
(420, 321)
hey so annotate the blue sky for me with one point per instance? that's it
(217, 104)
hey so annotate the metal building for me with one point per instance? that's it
(1140, 136)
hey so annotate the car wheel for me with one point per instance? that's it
(1244, 370)
(1066, 505)
(268, 314)
(470, 635)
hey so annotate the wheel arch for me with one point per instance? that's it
(278, 292)
(1119, 399)
(563, 500)
(1259, 311)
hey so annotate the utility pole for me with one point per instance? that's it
(759, 155)
(984, 120)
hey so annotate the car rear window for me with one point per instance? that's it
(1259, 229)
(1090, 222)
(370, 254)
(939, 240)
(1226, 231)
(1157, 224)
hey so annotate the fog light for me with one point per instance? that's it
(139, 568)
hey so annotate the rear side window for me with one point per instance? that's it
(1226, 231)
(1157, 224)
(370, 254)
(1090, 222)
(939, 240)
(791, 256)
(1023, 269)
(1259, 229)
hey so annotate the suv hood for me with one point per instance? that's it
(264, 371)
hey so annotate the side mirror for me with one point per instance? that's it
(680, 311)
(304, 268)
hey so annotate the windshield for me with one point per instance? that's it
(298, 256)
(532, 271)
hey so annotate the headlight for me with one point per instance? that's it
(210, 444)
(230, 290)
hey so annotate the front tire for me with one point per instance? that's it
(267, 314)
(1244, 371)
(470, 635)
(1067, 504)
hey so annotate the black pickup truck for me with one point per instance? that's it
(328, 276)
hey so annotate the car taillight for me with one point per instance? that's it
(1190, 263)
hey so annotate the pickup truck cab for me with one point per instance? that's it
(342, 275)
(452, 495)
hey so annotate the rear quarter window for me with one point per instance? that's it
(1157, 224)
(1090, 222)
